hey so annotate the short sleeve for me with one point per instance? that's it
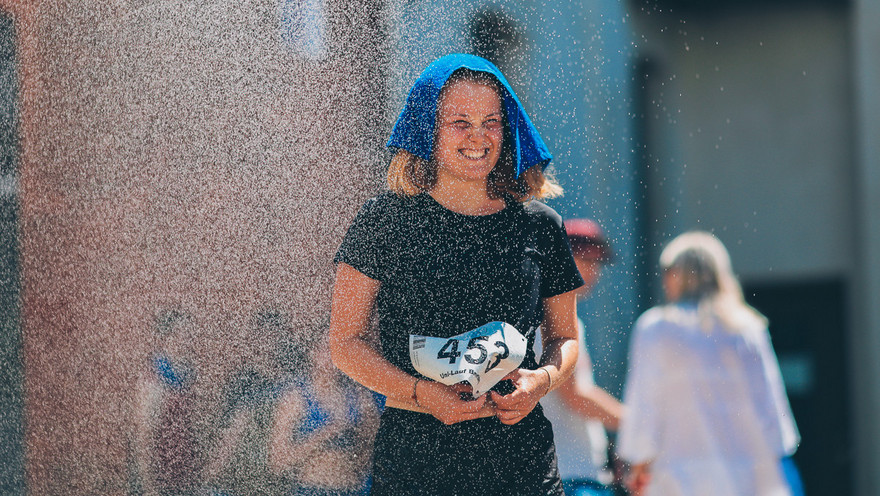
(362, 246)
(559, 273)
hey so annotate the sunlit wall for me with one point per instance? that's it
(178, 159)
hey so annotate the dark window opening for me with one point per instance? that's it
(809, 330)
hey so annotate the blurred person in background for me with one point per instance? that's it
(239, 461)
(323, 428)
(164, 446)
(579, 410)
(706, 409)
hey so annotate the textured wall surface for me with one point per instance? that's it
(190, 157)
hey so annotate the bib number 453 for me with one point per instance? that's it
(476, 352)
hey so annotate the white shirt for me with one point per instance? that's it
(581, 444)
(706, 406)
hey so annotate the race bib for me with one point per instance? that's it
(480, 357)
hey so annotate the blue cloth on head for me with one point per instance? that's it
(414, 129)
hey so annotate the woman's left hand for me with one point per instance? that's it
(531, 386)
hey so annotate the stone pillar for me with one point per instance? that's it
(177, 155)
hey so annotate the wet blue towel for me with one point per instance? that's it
(414, 129)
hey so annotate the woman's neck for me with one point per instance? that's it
(467, 199)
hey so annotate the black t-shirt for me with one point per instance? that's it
(443, 273)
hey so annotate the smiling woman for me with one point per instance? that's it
(472, 106)
(468, 142)
(454, 247)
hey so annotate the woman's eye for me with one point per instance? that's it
(462, 125)
(493, 124)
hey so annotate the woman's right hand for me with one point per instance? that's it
(445, 403)
(638, 479)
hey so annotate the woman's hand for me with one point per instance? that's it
(559, 335)
(638, 479)
(531, 386)
(445, 403)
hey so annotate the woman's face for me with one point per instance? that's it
(470, 131)
(590, 270)
(673, 284)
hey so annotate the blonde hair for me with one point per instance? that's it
(409, 175)
(707, 278)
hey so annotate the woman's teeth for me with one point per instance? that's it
(475, 154)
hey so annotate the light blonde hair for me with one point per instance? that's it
(409, 175)
(707, 278)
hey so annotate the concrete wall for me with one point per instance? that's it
(175, 156)
(759, 108)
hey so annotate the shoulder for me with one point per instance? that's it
(383, 207)
(663, 322)
(543, 214)
(757, 337)
(651, 319)
(383, 203)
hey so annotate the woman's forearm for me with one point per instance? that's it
(559, 336)
(592, 402)
(360, 360)
(352, 337)
(559, 358)
(353, 352)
